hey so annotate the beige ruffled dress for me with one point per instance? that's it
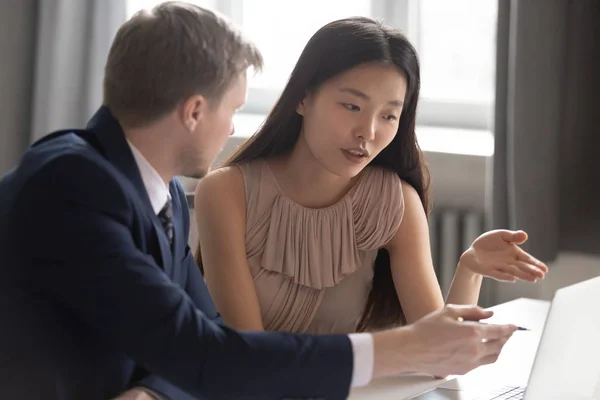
(313, 268)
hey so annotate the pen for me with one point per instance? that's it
(519, 328)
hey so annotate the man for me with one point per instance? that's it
(100, 295)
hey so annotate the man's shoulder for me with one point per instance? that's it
(65, 163)
(68, 147)
(54, 152)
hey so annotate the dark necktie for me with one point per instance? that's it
(166, 219)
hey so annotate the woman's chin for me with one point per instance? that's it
(349, 172)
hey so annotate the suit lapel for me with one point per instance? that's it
(110, 136)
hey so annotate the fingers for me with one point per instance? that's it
(492, 350)
(467, 312)
(520, 270)
(529, 259)
(490, 359)
(495, 332)
(503, 276)
(533, 271)
(481, 352)
(519, 237)
(516, 237)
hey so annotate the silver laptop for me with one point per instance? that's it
(567, 362)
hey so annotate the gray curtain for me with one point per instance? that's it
(52, 55)
(17, 52)
(73, 40)
(545, 176)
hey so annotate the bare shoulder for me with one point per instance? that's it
(221, 186)
(409, 192)
(411, 200)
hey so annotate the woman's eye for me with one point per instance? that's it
(391, 117)
(351, 107)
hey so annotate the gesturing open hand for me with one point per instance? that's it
(496, 254)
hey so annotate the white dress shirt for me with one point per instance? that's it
(158, 190)
(362, 343)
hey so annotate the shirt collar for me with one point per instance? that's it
(157, 189)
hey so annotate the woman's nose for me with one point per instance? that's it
(366, 130)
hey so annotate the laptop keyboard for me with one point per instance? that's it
(505, 393)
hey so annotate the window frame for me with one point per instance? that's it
(404, 15)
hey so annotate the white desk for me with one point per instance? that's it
(513, 365)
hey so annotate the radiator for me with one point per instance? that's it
(451, 232)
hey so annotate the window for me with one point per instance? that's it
(281, 38)
(455, 40)
(283, 41)
(457, 53)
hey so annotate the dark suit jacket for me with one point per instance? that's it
(93, 300)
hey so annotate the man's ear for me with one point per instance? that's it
(192, 111)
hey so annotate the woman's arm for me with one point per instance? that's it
(410, 260)
(465, 286)
(412, 266)
(495, 254)
(220, 208)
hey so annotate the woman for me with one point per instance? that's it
(319, 222)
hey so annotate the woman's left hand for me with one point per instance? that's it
(496, 254)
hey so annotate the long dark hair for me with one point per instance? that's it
(334, 49)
